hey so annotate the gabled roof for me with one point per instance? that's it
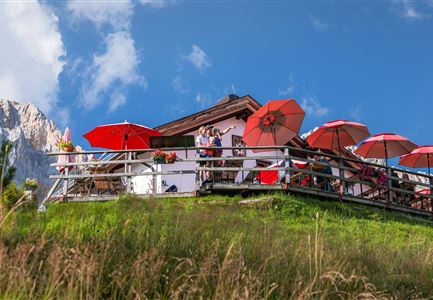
(230, 106)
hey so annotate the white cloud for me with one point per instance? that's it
(112, 72)
(114, 13)
(312, 106)
(319, 24)
(175, 110)
(357, 113)
(290, 88)
(31, 54)
(180, 85)
(118, 99)
(406, 9)
(198, 58)
(63, 116)
(203, 100)
(155, 3)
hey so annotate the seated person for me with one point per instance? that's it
(299, 177)
(406, 198)
(395, 183)
(325, 168)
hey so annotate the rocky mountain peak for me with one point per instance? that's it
(33, 135)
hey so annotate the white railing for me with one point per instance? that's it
(350, 179)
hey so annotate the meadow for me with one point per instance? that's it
(288, 247)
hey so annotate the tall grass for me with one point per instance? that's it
(134, 248)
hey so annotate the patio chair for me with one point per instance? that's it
(102, 185)
(227, 176)
(116, 186)
(81, 186)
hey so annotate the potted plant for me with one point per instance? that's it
(171, 157)
(31, 184)
(66, 146)
(159, 156)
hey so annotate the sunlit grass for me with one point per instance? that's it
(290, 247)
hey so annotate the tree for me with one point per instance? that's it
(7, 172)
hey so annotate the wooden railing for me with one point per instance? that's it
(346, 182)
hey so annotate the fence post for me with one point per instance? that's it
(388, 174)
(197, 175)
(128, 169)
(341, 173)
(430, 181)
(65, 183)
(287, 165)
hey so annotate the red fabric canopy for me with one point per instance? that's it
(421, 157)
(121, 136)
(338, 134)
(271, 176)
(385, 145)
(424, 192)
(274, 124)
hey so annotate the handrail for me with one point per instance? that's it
(366, 188)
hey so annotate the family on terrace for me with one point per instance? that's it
(277, 124)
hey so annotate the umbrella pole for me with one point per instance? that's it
(127, 158)
(388, 173)
(340, 163)
(429, 176)
(428, 164)
(276, 150)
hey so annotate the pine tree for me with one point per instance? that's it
(7, 172)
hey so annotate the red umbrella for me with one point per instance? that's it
(274, 124)
(121, 136)
(385, 145)
(421, 157)
(337, 134)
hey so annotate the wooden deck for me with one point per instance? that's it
(240, 188)
(102, 198)
(386, 191)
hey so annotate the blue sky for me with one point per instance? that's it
(154, 61)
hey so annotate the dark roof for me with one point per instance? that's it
(227, 99)
(229, 106)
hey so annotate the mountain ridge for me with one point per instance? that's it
(33, 135)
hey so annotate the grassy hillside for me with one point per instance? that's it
(293, 247)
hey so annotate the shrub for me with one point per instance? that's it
(11, 195)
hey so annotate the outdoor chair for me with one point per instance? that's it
(116, 185)
(102, 185)
(227, 176)
(81, 187)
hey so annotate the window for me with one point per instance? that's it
(238, 142)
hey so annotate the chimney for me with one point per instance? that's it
(227, 99)
(233, 97)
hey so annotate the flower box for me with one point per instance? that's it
(68, 148)
(159, 161)
(160, 157)
(31, 184)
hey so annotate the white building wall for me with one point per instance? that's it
(186, 182)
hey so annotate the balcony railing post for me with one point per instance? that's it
(197, 174)
(287, 165)
(388, 175)
(128, 170)
(341, 174)
(65, 183)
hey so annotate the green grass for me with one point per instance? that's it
(294, 247)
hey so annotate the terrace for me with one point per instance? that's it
(295, 171)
